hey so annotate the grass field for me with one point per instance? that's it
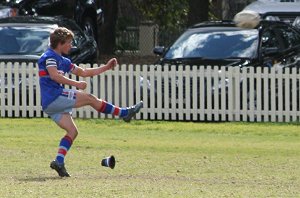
(154, 159)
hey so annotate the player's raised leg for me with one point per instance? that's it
(83, 99)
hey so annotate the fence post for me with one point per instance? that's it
(2, 89)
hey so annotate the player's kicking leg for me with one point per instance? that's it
(83, 99)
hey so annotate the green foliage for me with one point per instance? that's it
(168, 14)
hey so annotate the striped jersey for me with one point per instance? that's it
(50, 89)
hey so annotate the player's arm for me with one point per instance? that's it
(95, 71)
(61, 79)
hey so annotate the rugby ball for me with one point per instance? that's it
(247, 19)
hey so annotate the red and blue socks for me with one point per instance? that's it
(64, 145)
(109, 108)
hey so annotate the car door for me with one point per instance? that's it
(271, 48)
(291, 45)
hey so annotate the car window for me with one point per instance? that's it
(29, 40)
(214, 44)
(289, 36)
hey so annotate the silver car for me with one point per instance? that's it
(279, 10)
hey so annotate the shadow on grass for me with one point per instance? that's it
(39, 179)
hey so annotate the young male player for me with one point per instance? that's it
(58, 102)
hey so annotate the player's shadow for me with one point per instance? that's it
(39, 179)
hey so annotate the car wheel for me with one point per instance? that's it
(89, 27)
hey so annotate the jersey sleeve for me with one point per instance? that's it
(69, 66)
(73, 67)
(51, 62)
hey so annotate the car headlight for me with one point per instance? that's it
(218, 85)
(142, 81)
(34, 83)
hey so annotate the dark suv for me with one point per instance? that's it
(86, 13)
(272, 43)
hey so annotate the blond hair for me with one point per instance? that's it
(60, 35)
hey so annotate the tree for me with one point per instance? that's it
(198, 11)
(107, 33)
(168, 14)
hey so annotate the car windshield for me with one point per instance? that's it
(235, 43)
(25, 40)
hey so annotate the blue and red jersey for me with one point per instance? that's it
(50, 89)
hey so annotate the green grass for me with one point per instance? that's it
(154, 159)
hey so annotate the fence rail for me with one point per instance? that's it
(169, 92)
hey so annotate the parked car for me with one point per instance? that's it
(86, 13)
(270, 44)
(25, 38)
(286, 11)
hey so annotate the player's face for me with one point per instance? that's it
(66, 47)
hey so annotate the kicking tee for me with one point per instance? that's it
(50, 89)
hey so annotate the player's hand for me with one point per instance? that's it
(112, 63)
(81, 85)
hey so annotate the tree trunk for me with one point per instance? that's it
(107, 33)
(198, 11)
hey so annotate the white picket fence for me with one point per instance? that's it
(169, 92)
